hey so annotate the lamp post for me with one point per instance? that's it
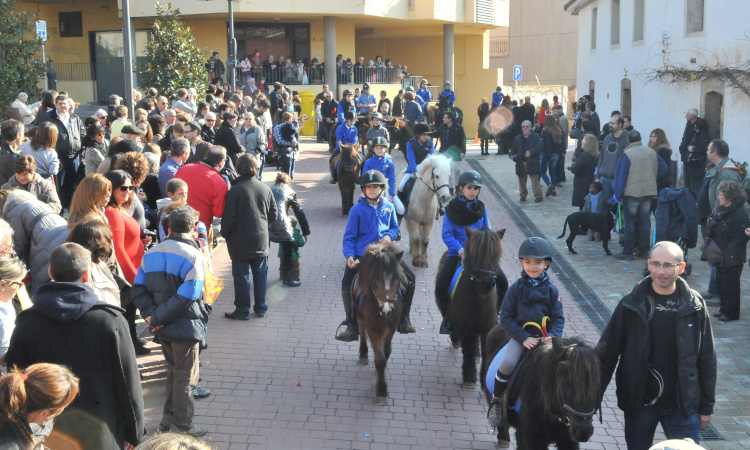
(127, 56)
(232, 64)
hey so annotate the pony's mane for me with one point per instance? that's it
(483, 250)
(438, 163)
(378, 260)
(348, 150)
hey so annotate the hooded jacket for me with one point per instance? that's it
(384, 165)
(368, 224)
(40, 187)
(526, 303)
(37, 231)
(69, 326)
(627, 338)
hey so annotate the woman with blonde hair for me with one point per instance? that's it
(30, 400)
(42, 149)
(90, 199)
(583, 168)
(172, 441)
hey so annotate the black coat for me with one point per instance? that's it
(208, 133)
(249, 209)
(69, 326)
(532, 144)
(583, 169)
(286, 198)
(526, 112)
(226, 136)
(696, 162)
(68, 139)
(453, 136)
(729, 234)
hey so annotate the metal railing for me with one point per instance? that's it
(297, 75)
(74, 71)
(498, 47)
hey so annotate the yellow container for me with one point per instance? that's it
(307, 102)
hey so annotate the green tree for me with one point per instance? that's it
(174, 61)
(21, 65)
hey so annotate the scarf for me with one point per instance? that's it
(460, 215)
(534, 282)
(720, 214)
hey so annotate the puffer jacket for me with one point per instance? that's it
(526, 303)
(42, 188)
(285, 198)
(168, 288)
(628, 339)
(37, 231)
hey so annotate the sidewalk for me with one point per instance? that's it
(285, 382)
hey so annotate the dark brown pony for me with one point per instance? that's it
(348, 172)
(435, 111)
(559, 394)
(380, 313)
(473, 305)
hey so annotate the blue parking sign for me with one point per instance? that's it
(516, 73)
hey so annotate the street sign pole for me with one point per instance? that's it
(516, 77)
(41, 33)
(44, 60)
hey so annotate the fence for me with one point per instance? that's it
(313, 74)
(498, 47)
(74, 71)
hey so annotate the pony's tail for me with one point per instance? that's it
(565, 227)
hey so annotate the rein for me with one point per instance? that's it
(434, 189)
(563, 417)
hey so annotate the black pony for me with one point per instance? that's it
(559, 393)
(347, 165)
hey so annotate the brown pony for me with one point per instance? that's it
(473, 304)
(381, 309)
(349, 165)
(435, 111)
(559, 393)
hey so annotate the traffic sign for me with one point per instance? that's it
(516, 73)
(41, 30)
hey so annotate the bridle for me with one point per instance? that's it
(562, 417)
(434, 189)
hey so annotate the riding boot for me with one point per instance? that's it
(446, 327)
(495, 414)
(351, 333)
(398, 220)
(406, 326)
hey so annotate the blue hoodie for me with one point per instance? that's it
(368, 224)
(64, 302)
(411, 158)
(454, 236)
(384, 165)
(450, 94)
(346, 135)
(425, 95)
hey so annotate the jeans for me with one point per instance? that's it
(549, 162)
(287, 164)
(636, 212)
(262, 160)
(241, 273)
(640, 426)
(608, 187)
(66, 180)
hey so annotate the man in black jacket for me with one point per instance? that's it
(526, 152)
(68, 325)
(226, 136)
(70, 133)
(452, 144)
(661, 334)
(329, 114)
(248, 210)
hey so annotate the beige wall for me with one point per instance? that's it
(543, 40)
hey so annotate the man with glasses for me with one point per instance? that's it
(161, 106)
(253, 138)
(661, 335)
(178, 155)
(322, 95)
(526, 152)
(198, 147)
(208, 130)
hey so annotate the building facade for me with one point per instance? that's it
(655, 59)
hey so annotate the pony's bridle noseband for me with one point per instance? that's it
(563, 417)
(434, 189)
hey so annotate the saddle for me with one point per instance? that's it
(511, 400)
(405, 194)
(358, 294)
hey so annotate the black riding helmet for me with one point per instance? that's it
(424, 81)
(471, 177)
(380, 140)
(349, 115)
(348, 92)
(535, 247)
(421, 128)
(365, 86)
(372, 177)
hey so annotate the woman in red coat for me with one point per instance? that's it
(126, 240)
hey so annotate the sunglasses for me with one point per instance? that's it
(20, 284)
(127, 188)
(210, 120)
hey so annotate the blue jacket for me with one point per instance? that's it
(383, 165)
(368, 224)
(343, 108)
(622, 170)
(413, 112)
(450, 94)
(412, 159)
(346, 135)
(454, 236)
(365, 99)
(526, 303)
(168, 288)
(425, 95)
(497, 98)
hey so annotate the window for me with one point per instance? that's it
(694, 10)
(626, 104)
(639, 18)
(592, 89)
(593, 27)
(615, 28)
(71, 24)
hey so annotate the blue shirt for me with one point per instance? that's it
(450, 94)
(368, 224)
(454, 235)
(365, 99)
(413, 112)
(166, 173)
(346, 134)
(497, 98)
(384, 165)
(425, 95)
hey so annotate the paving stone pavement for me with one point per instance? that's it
(254, 367)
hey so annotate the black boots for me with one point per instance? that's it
(406, 327)
(351, 333)
(398, 220)
(495, 414)
(446, 327)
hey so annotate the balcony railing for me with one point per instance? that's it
(314, 75)
(498, 47)
(74, 71)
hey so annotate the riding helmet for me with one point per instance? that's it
(348, 92)
(349, 115)
(372, 177)
(409, 88)
(380, 140)
(424, 81)
(471, 177)
(366, 86)
(535, 247)
(447, 83)
(421, 128)
(377, 115)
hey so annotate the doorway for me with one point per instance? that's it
(712, 112)
(109, 66)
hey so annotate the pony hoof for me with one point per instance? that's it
(381, 401)
(363, 361)
(469, 385)
(503, 443)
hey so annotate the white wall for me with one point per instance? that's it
(659, 104)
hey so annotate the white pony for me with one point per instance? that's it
(430, 187)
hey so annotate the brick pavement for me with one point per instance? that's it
(254, 367)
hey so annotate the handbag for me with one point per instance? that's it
(710, 252)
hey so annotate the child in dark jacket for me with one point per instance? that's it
(299, 241)
(595, 202)
(531, 298)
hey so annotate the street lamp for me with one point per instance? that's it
(232, 64)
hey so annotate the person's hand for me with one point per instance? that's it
(146, 241)
(148, 321)
(527, 154)
(386, 239)
(547, 339)
(390, 198)
(351, 263)
(596, 179)
(306, 238)
(704, 421)
(530, 342)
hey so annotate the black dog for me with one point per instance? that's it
(581, 222)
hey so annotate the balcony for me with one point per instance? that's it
(498, 47)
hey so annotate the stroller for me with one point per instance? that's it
(677, 221)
